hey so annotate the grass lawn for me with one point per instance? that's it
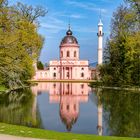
(46, 134)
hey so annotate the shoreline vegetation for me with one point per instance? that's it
(48, 134)
(2, 88)
(5, 90)
(73, 81)
(92, 84)
(122, 50)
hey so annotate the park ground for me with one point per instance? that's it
(24, 132)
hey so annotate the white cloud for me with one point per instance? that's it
(52, 28)
(84, 29)
(53, 24)
(68, 15)
(77, 16)
(86, 5)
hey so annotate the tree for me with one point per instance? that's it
(30, 13)
(20, 46)
(121, 54)
(136, 5)
(3, 3)
(40, 66)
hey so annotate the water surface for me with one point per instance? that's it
(73, 107)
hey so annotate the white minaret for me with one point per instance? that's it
(100, 116)
(100, 112)
(100, 42)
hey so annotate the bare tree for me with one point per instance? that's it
(29, 12)
(3, 3)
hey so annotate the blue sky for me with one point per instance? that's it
(84, 17)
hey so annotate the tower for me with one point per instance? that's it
(69, 53)
(100, 42)
(100, 115)
(100, 112)
(69, 48)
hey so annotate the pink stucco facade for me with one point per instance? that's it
(69, 66)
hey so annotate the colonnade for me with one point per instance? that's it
(66, 72)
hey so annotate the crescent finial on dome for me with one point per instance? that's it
(69, 32)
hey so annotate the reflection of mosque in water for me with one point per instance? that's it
(69, 96)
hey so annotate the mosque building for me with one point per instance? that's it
(69, 66)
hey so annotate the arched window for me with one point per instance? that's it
(67, 107)
(61, 53)
(62, 107)
(74, 107)
(82, 74)
(41, 74)
(74, 53)
(82, 68)
(68, 54)
(54, 85)
(100, 32)
(54, 75)
(68, 86)
(82, 86)
(45, 73)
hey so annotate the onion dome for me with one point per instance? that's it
(69, 38)
(69, 32)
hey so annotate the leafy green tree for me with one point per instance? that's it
(20, 46)
(136, 5)
(121, 54)
(40, 66)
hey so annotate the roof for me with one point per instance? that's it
(69, 38)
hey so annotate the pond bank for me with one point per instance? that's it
(47, 134)
(73, 81)
(5, 90)
(135, 89)
(122, 88)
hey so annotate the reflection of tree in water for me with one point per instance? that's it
(17, 107)
(123, 108)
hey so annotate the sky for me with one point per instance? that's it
(83, 16)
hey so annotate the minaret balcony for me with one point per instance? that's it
(100, 34)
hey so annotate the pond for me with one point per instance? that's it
(73, 107)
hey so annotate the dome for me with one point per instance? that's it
(69, 32)
(69, 38)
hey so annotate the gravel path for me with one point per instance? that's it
(9, 137)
